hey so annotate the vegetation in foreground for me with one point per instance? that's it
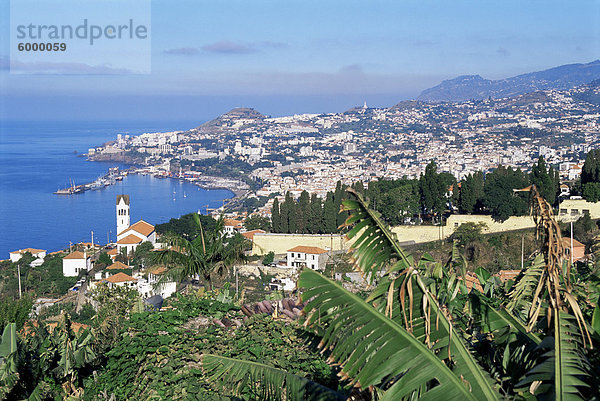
(418, 334)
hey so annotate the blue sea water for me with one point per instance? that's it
(37, 158)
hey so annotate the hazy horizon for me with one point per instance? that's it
(307, 57)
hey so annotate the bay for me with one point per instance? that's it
(37, 158)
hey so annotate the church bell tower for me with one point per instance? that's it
(122, 213)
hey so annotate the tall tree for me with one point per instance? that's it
(275, 216)
(499, 198)
(284, 215)
(471, 193)
(292, 213)
(329, 214)
(590, 176)
(303, 212)
(316, 214)
(545, 179)
(433, 190)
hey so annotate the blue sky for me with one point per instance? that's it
(285, 57)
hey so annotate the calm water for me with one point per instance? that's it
(37, 158)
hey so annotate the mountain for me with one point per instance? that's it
(229, 119)
(468, 87)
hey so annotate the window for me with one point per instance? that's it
(455, 225)
(563, 211)
(292, 254)
(574, 212)
(313, 257)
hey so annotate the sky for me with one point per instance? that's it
(288, 57)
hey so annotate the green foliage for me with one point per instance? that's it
(45, 280)
(159, 354)
(142, 255)
(186, 226)
(471, 193)
(269, 258)
(546, 180)
(275, 216)
(499, 198)
(433, 188)
(467, 233)
(104, 259)
(15, 311)
(257, 222)
(396, 200)
(591, 191)
(210, 252)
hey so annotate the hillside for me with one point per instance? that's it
(467, 87)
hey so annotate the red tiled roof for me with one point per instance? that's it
(119, 278)
(118, 265)
(30, 250)
(250, 234)
(313, 250)
(141, 227)
(130, 239)
(75, 255)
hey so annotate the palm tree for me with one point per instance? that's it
(422, 334)
(204, 255)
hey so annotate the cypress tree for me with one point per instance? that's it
(303, 212)
(316, 215)
(329, 215)
(291, 213)
(275, 217)
(284, 213)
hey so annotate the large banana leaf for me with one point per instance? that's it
(374, 350)
(563, 368)
(372, 251)
(8, 343)
(493, 320)
(268, 382)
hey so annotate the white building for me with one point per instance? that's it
(232, 226)
(122, 212)
(36, 253)
(76, 262)
(306, 256)
(130, 236)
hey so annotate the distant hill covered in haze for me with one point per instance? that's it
(468, 87)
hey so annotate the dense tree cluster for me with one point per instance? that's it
(590, 176)
(309, 214)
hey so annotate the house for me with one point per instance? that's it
(151, 287)
(118, 266)
(578, 249)
(112, 253)
(564, 190)
(306, 256)
(75, 263)
(232, 226)
(120, 280)
(36, 253)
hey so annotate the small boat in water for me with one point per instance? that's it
(73, 189)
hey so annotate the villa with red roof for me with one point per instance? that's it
(306, 256)
(36, 253)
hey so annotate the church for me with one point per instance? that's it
(130, 236)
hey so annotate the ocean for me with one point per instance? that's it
(37, 158)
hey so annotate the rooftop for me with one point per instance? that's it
(313, 250)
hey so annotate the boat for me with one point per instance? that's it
(73, 189)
